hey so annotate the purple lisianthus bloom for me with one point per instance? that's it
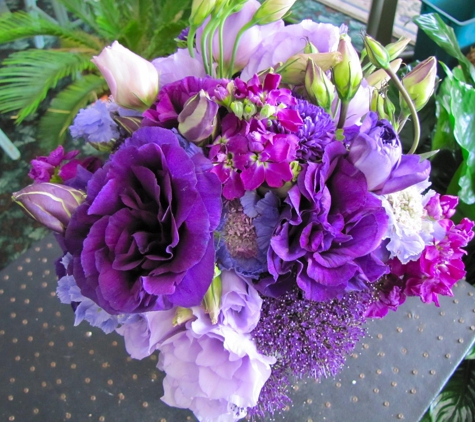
(212, 370)
(95, 123)
(283, 44)
(142, 240)
(172, 99)
(377, 152)
(328, 230)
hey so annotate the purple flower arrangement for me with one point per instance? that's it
(255, 208)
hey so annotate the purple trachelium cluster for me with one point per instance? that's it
(317, 131)
(309, 339)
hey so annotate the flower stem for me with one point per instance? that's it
(412, 108)
(343, 112)
(235, 47)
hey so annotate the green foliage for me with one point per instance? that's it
(27, 76)
(455, 101)
(147, 27)
(14, 26)
(443, 35)
(65, 106)
(456, 402)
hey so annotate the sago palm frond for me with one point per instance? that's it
(64, 107)
(18, 25)
(27, 76)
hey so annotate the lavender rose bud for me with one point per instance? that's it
(375, 152)
(197, 121)
(50, 204)
(142, 240)
(133, 81)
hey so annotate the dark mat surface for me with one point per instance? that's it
(52, 371)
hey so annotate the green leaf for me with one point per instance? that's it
(64, 107)
(18, 25)
(471, 353)
(443, 35)
(27, 76)
(456, 402)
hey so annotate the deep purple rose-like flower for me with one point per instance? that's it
(377, 152)
(329, 229)
(142, 240)
(172, 99)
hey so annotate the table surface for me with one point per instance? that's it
(52, 371)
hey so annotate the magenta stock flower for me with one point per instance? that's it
(251, 157)
(142, 241)
(44, 168)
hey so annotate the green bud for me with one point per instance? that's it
(380, 77)
(319, 88)
(182, 315)
(377, 54)
(212, 299)
(237, 107)
(310, 48)
(200, 10)
(250, 109)
(396, 48)
(271, 11)
(267, 111)
(383, 106)
(347, 74)
(294, 69)
(420, 84)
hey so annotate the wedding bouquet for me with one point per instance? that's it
(255, 206)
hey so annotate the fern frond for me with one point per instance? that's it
(64, 107)
(20, 24)
(27, 76)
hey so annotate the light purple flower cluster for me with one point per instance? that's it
(309, 340)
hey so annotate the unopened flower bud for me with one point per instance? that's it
(377, 54)
(182, 315)
(271, 11)
(200, 10)
(212, 299)
(197, 121)
(420, 83)
(249, 109)
(237, 107)
(50, 204)
(294, 69)
(133, 81)
(396, 48)
(383, 106)
(310, 48)
(347, 74)
(319, 88)
(378, 78)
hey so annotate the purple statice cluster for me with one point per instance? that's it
(309, 339)
(238, 228)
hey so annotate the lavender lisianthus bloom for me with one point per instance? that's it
(283, 44)
(329, 229)
(95, 123)
(212, 370)
(377, 152)
(250, 39)
(178, 66)
(142, 240)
